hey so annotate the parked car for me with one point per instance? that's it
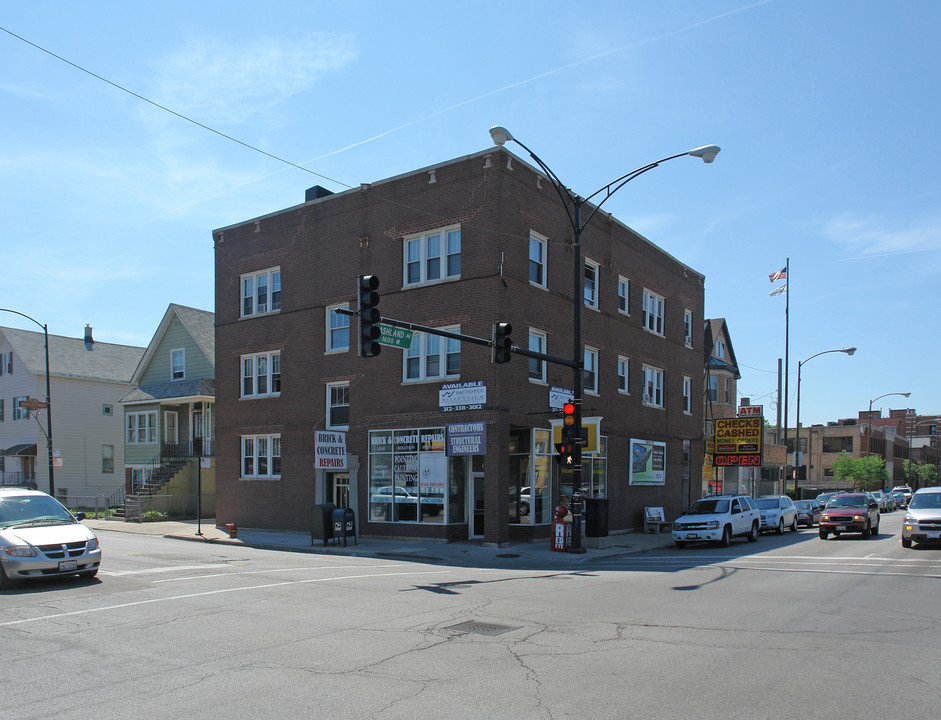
(850, 513)
(808, 512)
(824, 497)
(922, 521)
(40, 538)
(880, 498)
(777, 513)
(906, 491)
(718, 518)
(900, 501)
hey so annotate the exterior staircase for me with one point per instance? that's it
(154, 482)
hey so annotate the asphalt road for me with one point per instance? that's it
(790, 625)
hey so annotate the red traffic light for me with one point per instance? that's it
(568, 408)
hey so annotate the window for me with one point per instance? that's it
(6, 362)
(433, 356)
(107, 409)
(171, 427)
(590, 372)
(142, 428)
(653, 312)
(338, 405)
(261, 456)
(837, 444)
(624, 289)
(591, 284)
(719, 350)
(687, 395)
(728, 391)
(261, 292)
(537, 260)
(107, 458)
(688, 327)
(19, 412)
(177, 364)
(624, 365)
(261, 374)
(712, 388)
(537, 368)
(338, 329)
(653, 386)
(1, 409)
(433, 257)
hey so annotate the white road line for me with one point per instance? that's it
(277, 570)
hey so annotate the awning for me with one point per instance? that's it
(21, 449)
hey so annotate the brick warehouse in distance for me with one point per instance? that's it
(441, 443)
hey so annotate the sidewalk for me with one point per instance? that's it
(463, 553)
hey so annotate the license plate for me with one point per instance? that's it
(933, 535)
(692, 536)
(840, 527)
(67, 565)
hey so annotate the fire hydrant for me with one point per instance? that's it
(233, 531)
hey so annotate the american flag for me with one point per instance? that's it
(779, 275)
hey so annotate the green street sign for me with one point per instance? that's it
(395, 337)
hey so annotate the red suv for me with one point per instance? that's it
(850, 512)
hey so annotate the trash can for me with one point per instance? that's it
(321, 522)
(344, 524)
(596, 517)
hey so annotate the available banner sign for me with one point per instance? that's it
(648, 462)
(330, 449)
(738, 441)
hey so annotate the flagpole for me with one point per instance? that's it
(787, 303)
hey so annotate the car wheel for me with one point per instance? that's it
(753, 535)
(524, 508)
(5, 582)
(875, 530)
(794, 524)
(906, 542)
(867, 532)
(780, 530)
(726, 536)
(680, 544)
(823, 534)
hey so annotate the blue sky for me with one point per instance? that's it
(827, 114)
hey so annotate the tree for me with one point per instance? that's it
(865, 472)
(920, 475)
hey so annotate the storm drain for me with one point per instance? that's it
(481, 628)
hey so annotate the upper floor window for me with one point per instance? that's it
(433, 356)
(433, 257)
(142, 428)
(261, 456)
(590, 371)
(537, 260)
(653, 386)
(688, 327)
(687, 395)
(591, 284)
(338, 405)
(624, 366)
(261, 374)
(177, 364)
(728, 391)
(719, 350)
(653, 312)
(20, 412)
(338, 329)
(537, 367)
(1, 413)
(6, 363)
(712, 389)
(624, 289)
(261, 292)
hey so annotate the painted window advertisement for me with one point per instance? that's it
(407, 475)
(648, 462)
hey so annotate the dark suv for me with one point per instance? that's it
(850, 513)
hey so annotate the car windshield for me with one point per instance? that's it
(847, 501)
(922, 501)
(20, 510)
(804, 504)
(768, 503)
(709, 506)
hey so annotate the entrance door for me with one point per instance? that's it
(338, 491)
(476, 496)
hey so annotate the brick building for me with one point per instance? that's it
(457, 247)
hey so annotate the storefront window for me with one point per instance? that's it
(408, 474)
(530, 468)
(594, 473)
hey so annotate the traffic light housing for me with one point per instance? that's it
(369, 316)
(566, 448)
(501, 343)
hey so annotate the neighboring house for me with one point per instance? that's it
(168, 416)
(720, 400)
(434, 440)
(87, 380)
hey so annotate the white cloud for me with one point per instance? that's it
(869, 237)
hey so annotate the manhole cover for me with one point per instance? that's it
(481, 628)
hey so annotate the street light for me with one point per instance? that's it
(45, 332)
(501, 136)
(797, 434)
(869, 430)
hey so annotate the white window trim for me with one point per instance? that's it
(626, 282)
(544, 245)
(687, 395)
(655, 373)
(653, 316)
(594, 303)
(331, 311)
(420, 340)
(173, 353)
(269, 375)
(688, 327)
(330, 405)
(422, 239)
(534, 333)
(150, 428)
(626, 361)
(590, 352)
(269, 275)
(719, 349)
(271, 441)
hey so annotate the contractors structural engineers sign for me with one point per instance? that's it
(738, 441)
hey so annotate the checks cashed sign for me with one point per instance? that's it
(330, 449)
(738, 441)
